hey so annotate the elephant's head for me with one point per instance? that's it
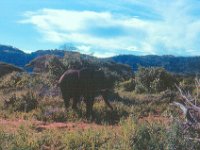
(102, 80)
(95, 79)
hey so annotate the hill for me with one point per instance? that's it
(183, 65)
(19, 58)
(7, 68)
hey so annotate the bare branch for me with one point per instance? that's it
(193, 139)
(187, 100)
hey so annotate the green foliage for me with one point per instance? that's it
(179, 138)
(16, 80)
(72, 60)
(131, 134)
(21, 101)
(10, 80)
(153, 80)
(103, 115)
(50, 114)
(22, 140)
(55, 67)
(139, 88)
(149, 137)
(130, 86)
(187, 84)
(127, 131)
(5, 140)
(85, 140)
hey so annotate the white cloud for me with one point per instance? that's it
(84, 27)
(84, 48)
(176, 31)
(105, 54)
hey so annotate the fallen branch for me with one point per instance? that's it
(193, 139)
(189, 107)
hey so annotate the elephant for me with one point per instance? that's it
(86, 83)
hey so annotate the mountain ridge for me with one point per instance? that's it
(180, 64)
(175, 64)
(15, 56)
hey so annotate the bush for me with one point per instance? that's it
(55, 68)
(103, 115)
(129, 85)
(149, 137)
(179, 138)
(10, 80)
(129, 135)
(140, 89)
(21, 81)
(153, 79)
(53, 114)
(21, 101)
(187, 85)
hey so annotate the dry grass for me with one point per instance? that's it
(139, 121)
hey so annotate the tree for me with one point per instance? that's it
(153, 80)
(55, 67)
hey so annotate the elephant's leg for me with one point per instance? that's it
(66, 98)
(89, 107)
(105, 98)
(66, 101)
(75, 102)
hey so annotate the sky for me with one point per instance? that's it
(103, 28)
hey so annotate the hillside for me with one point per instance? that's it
(19, 58)
(185, 65)
(32, 107)
(13, 55)
(7, 68)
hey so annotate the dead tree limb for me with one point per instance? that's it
(189, 107)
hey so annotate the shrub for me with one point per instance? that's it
(54, 114)
(179, 138)
(129, 85)
(10, 80)
(21, 81)
(149, 137)
(103, 114)
(55, 67)
(154, 79)
(187, 85)
(21, 101)
(5, 140)
(140, 89)
(89, 139)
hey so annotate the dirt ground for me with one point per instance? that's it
(13, 125)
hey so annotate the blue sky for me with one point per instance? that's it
(103, 28)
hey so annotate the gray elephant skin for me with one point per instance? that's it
(87, 83)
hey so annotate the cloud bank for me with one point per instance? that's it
(171, 28)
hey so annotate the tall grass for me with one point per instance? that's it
(129, 135)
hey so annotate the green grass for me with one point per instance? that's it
(127, 132)
(129, 135)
